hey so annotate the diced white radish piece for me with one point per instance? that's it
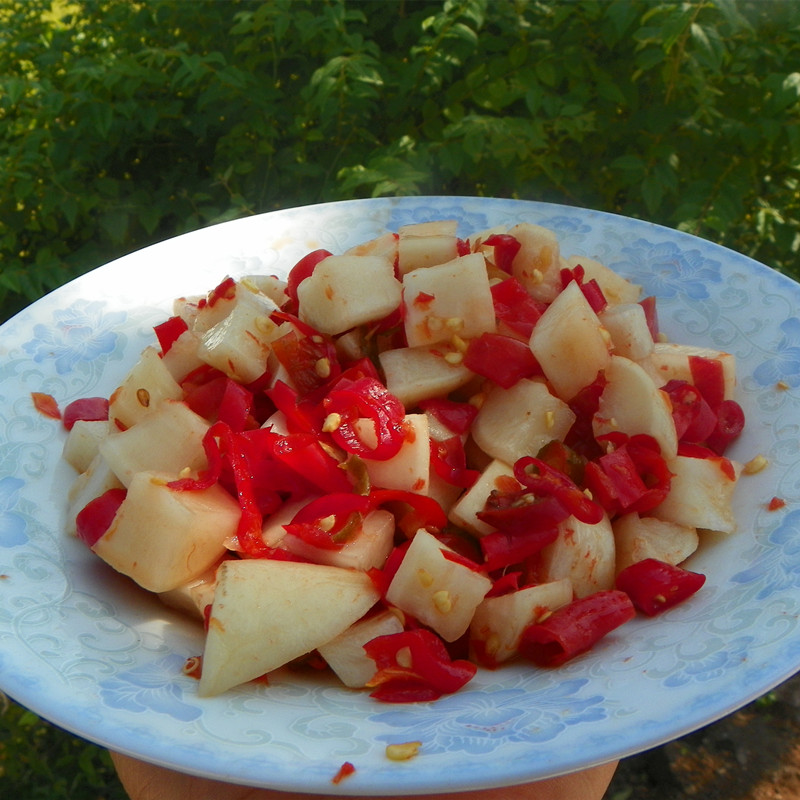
(519, 421)
(583, 553)
(272, 531)
(182, 358)
(168, 439)
(671, 362)
(368, 546)
(701, 493)
(499, 621)
(345, 291)
(267, 613)
(409, 470)
(570, 343)
(425, 244)
(537, 265)
(82, 442)
(213, 308)
(448, 299)
(384, 246)
(270, 285)
(616, 289)
(631, 403)
(440, 593)
(162, 537)
(417, 373)
(627, 326)
(194, 596)
(97, 479)
(144, 387)
(239, 345)
(345, 653)
(187, 308)
(638, 538)
(497, 476)
(444, 493)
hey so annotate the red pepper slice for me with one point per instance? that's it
(457, 417)
(544, 481)
(693, 416)
(651, 316)
(302, 270)
(369, 399)
(414, 666)
(304, 455)
(504, 548)
(419, 511)
(506, 248)
(302, 415)
(591, 288)
(449, 462)
(575, 628)
(515, 308)
(310, 360)
(46, 404)
(655, 586)
(321, 522)
(90, 409)
(709, 378)
(729, 424)
(95, 518)
(169, 331)
(503, 359)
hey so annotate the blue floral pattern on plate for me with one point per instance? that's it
(86, 649)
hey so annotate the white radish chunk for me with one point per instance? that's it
(426, 244)
(701, 493)
(519, 421)
(239, 345)
(345, 291)
(345, 653)
(162, 537)
(627, 326)
(537, 264)
(440, 593)
(418, 373)
(570, 343)
(144, 387)
(267, 613)
(446, 300)
(499, 622)
(584, 553)
(638, 538)
(497, 476)
(83, 442)
(169, 439)
(631, 404)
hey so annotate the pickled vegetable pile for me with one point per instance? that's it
(422, 456)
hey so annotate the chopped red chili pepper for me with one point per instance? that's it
(369, 399)
(46, 404)
(655, 586)
(544, 481)
(169, 331)
(95, 518)
(457, 417)
(506, 248)
(302, 270)
(729, 424)
(575, 628)
(515, 308)
(415, 665)
(89, 409)
(503, 359)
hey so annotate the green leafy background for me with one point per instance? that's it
(123, 123)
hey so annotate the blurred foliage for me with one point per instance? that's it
(40, 762)
(122, 123)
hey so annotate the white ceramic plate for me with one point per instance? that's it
(83, 648)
